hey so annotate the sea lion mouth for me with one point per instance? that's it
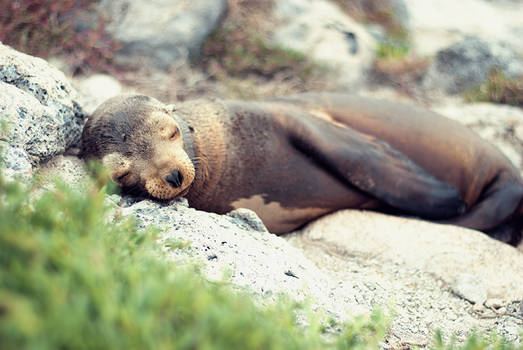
(134, 191)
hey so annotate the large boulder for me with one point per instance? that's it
(237, 249)
(159, 32)
(437, 24)
(94, 89)
(467, 63)
(433, 276)
(39, 110)
(320, 30)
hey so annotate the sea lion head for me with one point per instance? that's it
(143, 144)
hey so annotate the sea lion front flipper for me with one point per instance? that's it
(375, 167)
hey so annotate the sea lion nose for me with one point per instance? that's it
(175, 178)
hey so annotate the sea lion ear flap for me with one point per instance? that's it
(373, 166)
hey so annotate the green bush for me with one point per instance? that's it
(392, 49)
(72, 279)
(475, 342)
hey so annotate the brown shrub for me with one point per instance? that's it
(73, 29)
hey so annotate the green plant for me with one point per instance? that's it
(364, 333)
(392, 49)
(71, 278)
(72, 28)
(475, 342)
(498, 89)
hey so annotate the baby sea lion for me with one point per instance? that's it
(295, 158)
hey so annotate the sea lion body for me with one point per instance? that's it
(295, 158)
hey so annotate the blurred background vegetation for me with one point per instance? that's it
(72, 29)
(238, 60)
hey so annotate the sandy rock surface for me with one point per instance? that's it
(433, 276)
(237, 249)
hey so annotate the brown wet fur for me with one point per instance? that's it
(295, 158)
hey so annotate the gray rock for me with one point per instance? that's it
(39, 109)
(467, 63)
(494, 303)
(69, 169)
(470, 287)
(437, 24)
(320, 30)
(250, 259)
(16, 162)
(160, 32)
(95, 89)
(413, 266)
(248, 217)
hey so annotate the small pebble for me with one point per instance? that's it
(493, 303)
(478, 308)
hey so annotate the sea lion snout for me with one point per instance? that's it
(175, 178)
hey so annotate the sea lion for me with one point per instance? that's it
(295, 158)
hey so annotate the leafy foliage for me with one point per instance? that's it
(44, 28)
(392, 49)
(71, 278)
(475, 342)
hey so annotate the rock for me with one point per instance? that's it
(494, 303)
(470, 287)
(40, 110)
(249, 217)
(320, 30)
(411, 264)
(95, 89)
(69, 169)
(250, 259)
(443, 250)
(160, 32)
(467, 63)
(498, 124)
(16, 161)
(437, 24)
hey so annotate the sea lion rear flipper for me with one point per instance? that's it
(375, 167)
